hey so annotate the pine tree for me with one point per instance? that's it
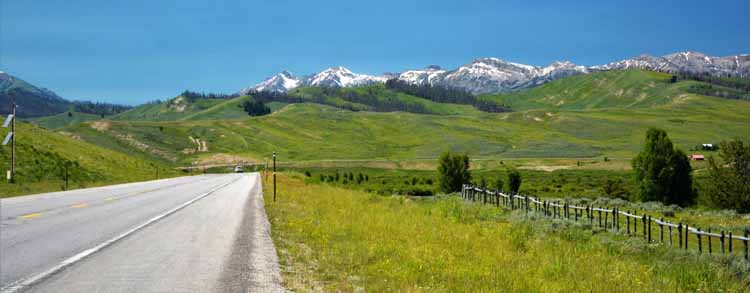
(663, 172)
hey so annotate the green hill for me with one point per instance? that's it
(42, 156)
(63, 119)
(378, 98)
(630, 89)
(603, 114)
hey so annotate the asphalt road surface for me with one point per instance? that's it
(191, 234)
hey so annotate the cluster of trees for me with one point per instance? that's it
(441, 94)
(256, 108)
(453, 172)
(195, 95)
(663, 173)
(344, 177)
(101, 109)
(723, 87)
(721, 92)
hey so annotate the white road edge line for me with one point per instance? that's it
(25, 283)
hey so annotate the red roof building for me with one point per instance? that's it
(697, 157)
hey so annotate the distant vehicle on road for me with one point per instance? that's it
(238, 169)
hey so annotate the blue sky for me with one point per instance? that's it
(134, 51)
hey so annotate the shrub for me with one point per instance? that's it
(614, 188)
(514, 181)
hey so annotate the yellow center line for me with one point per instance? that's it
(80, 205)
(110, 198)
(31, 216)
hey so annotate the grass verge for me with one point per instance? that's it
(335, 239)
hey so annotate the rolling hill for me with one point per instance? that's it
(43, 154)
(602, 114)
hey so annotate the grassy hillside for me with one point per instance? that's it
(42, 156)
(64, 119)
(630, 89)
(603, 114)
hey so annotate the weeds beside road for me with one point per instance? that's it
(336, 239)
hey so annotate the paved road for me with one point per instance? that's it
(199, 234)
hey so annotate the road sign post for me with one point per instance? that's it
(11, 137)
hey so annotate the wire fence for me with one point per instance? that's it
(610, 219)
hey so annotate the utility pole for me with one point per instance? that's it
(274, 176)
(13, 145)
(66, 175)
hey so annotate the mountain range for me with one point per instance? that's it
(481, 76)
(492, 75)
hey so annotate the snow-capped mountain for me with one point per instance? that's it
(341, 77)
(425, 76)
(331, 77)
(281, 82)
(688, 61)
(492, 75)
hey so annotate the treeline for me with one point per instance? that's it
(101, 109)
(721, 92)
(441, 94)
(723, 87)
(196, 96)
(328, 96)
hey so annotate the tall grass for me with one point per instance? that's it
(335, 239)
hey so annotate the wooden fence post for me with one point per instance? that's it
(599, 212)
(627, 219)
(670, 235)
(643, 220)
(679, 233)
(606, 220)
(528, 209)
(730, 242)
(649, 229)
(687, 234)
(616, 218)
(710, 249)
(661, 230)
(747, 233)
(722, 241)
(700, 244)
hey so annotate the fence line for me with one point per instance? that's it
(611, 219)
